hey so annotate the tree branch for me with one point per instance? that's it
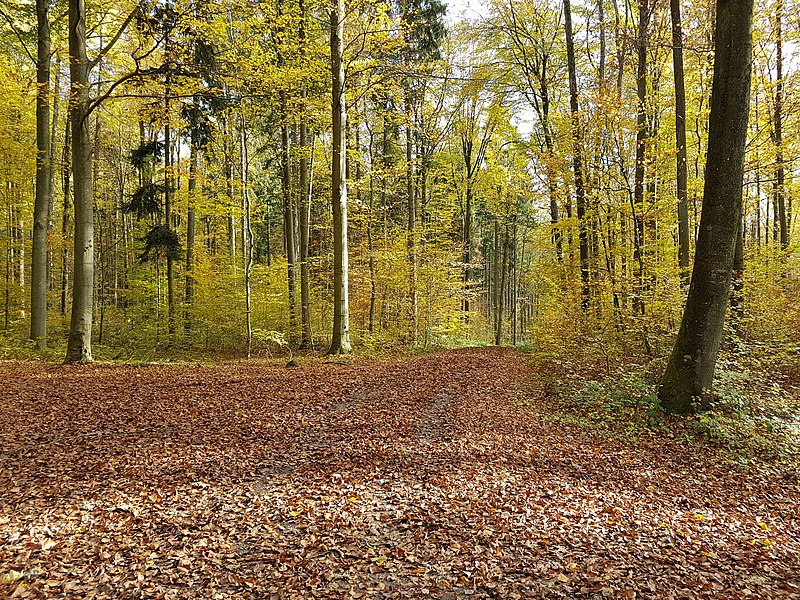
(114, 40)
(18, 34)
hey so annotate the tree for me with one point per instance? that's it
(423, 32)
(781, 230)
(681, 172)
(79, 346)
(340, 339)
(43, 179)
(642, 133)
(690, 371)
(304, 203)
(577, 160)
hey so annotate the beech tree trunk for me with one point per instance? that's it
(641, 154)
(168, 222)
(190, 234)
(304, 206)
(690, 371)
(65, 185)
(680, 141)
(340, 339)
(41, 207)
(781, 222)
(577, 161)
(412, 206)
(79, 346)
(306, 335)
(288, 217)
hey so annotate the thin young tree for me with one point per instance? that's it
(681, 171)
(577, 160)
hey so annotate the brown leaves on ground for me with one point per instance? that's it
(406, 479)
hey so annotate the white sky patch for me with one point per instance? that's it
(463, 10)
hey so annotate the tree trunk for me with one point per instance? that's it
(690, 371)
(737, 281)
(641, 154)
(66, 168)
(340, 339)
(781, 221)
(79, 346)
(550, 169)
(190, 233)
(467, 246)
(373, 284)
(577, 160)
(41, 207)
(168, 222)
(307, 337)
(304, 206)
(412, 207)
(53, 168)
(288, 217)
(680, 141)
(248, 248)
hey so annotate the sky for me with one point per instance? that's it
(458, 9)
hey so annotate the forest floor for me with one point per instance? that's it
(376, 479)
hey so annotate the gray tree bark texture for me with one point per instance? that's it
(681, 173)
(190, 233)
(79, 345)
(288, 216)
(577, 160)
(340, 339)
(690, 371)
(304, 206)
(642, 135)
(41, 207)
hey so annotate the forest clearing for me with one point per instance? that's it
(380, 479)
(390, 298)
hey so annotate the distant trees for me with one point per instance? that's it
(513, 180)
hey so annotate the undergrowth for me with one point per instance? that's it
(755, 415)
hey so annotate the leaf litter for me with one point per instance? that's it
(402, 479)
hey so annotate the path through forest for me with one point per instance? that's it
(378, 480)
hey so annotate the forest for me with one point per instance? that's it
(399, 298)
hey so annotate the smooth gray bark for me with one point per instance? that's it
(642, 134)
(41, 207)
(681, 172)
(304, 207)
(190, 234)
(577, 160)
(288, 215)
(79, 346)
(340, 339)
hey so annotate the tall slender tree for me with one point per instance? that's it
(79, 347)
(340, 338)
(577, 160)
(681, 170)
(642, 135)
(44, 188)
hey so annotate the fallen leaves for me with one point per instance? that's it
(380, 480)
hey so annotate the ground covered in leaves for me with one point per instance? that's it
(425, 477)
